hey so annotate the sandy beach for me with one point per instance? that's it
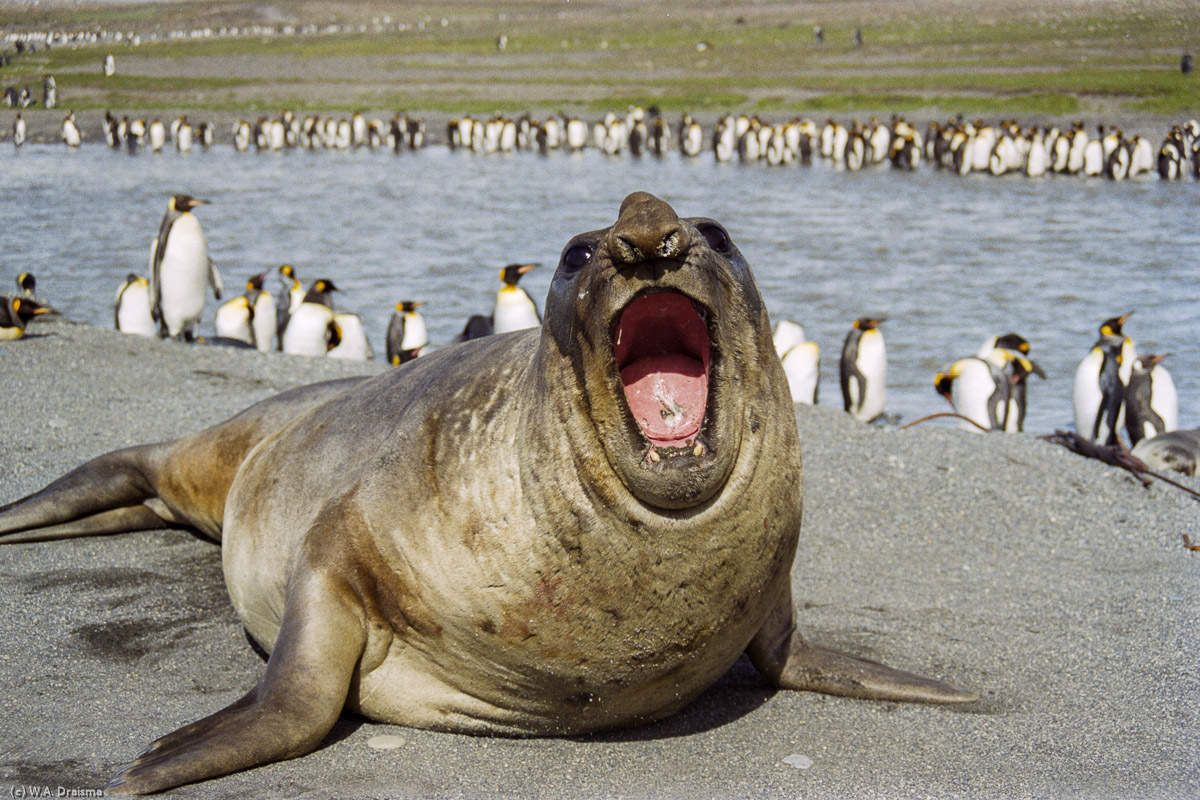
(1055, 587)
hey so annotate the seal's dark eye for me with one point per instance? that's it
(716, 236)
(577, 256)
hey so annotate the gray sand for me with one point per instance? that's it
(1056, 587)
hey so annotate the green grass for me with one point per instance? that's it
(670, 102)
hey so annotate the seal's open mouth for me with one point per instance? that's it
(662, 352)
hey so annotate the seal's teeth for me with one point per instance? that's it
(698, 450)
(653, 457)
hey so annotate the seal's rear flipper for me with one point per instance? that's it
(781, 654)
(105, 495)
(286, 715)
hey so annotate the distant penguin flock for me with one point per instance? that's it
(958, 146)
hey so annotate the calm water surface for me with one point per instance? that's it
(949, 260)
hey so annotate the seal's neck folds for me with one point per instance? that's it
(662, 352)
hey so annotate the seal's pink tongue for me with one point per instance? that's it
(662, 352)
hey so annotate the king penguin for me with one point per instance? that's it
(978, 390)
(514, 311)
(1151, 402)
(864, 370)
(180, 268)
(27, 284)
(265, 313)
(352, 344)
(801, 361)
(15, 314)
(1099, 391)
(1009, 353)
(312, 329)
(293, 291)
(131, 310)
(406, 334)
(235, 320)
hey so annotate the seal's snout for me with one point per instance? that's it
(646, 228)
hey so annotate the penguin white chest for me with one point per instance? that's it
(872, 363)
(308, 330)
(264, 322)
(514, 311)
(133, 311)
(183, 274)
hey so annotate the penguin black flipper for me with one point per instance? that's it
(283, 315)
(160, 250)
(155, 284)
(1112, 393)
(214, 280)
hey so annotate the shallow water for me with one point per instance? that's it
(949, 260)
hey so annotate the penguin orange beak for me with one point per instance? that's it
(521, 270)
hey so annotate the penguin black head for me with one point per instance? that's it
(1112, 327)
(319, 292)
(869, 323)
(184, 203)
(25, 309)
(405, 306)
(943, 382)
(1023, 367)
(255, 284)
(1013, 341)
(27, 284)
(1146, 362)
(513, 272)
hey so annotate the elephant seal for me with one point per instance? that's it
(554, 531)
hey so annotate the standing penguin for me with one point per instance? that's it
(801, 361)
(18, 131)
(293, 295)
(1151, 402)
(131, 310)
(312, 329)
(406, 333)
(1008, 353)
(70, 131)
(265, 313)
(27, 284)
(352, 344)
(864, 370)
(235, 320)
(978, 390)
(1099, 391)
(15, 314)
(179, 270)
(514, 311)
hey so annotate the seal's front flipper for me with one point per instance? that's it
(286, 715)
(781, 654)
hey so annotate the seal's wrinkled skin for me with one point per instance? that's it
(554, 531)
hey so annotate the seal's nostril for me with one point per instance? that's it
(626, 251)
(671, 245)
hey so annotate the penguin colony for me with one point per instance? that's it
(958, 146)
